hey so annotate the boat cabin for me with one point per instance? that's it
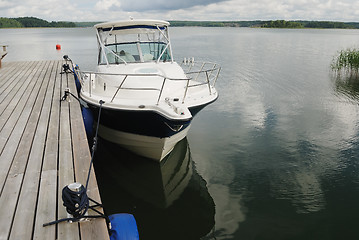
(133, 41)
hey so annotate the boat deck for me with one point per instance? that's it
(43, 147)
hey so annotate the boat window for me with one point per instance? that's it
(134, 46)
(120, 53)
(152, 51)
(131, 53)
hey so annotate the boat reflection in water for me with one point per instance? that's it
(169, 199)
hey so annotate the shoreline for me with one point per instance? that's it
(33, 22)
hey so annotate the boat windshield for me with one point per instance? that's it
(134, 46)
(135, 52)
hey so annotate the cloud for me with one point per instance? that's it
(342, 10)
(6, 4)
(103, 10)
(108, 4)
(156, 5)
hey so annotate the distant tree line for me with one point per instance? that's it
(309, 24)
(32, 22)
(25, 22)
(282, 24)
(215, 23)
(196, 23)
(267, 24)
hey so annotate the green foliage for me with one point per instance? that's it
(282, 24)
(27, 22)
(309, 24)
(267, 24)
(36, 22)
(352, 25)
(32, 22)
(196, 24)
(9, 23)
(327, 24)
(347, 61)
(215, 23)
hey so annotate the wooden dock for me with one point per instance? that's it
(43, 147)
(3, 52)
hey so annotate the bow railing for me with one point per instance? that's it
(198, 75)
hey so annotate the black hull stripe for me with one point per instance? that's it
(147, 123)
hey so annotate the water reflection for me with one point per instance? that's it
(169, 200)
(347, 85)
(229, 212)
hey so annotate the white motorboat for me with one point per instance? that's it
(149, 99)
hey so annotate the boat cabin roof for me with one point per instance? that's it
(133, 41)
(130, 24)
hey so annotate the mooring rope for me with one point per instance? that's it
(94, 144)
(76, 200)
(67, 93)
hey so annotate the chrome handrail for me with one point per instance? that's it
(212, 70)
(119, 87)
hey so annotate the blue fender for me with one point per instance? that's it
(87, 117)
(77, 83)
(77, 80)
(123, 227)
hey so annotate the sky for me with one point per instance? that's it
(215, 10)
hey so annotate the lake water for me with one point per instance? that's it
(275, 157)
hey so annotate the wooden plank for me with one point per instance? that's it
(15, 105)
(15, 78)
(32, 127)
(47, 204)
(10, 135)
(25, 213)
(10, 89)
(96, 228)
(8, 202)
(8, 70)
(9, 67)
(66, 172)
(51, 151)
(14, 178)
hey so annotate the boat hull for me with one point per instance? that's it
(147, 146)
(146, 133)
(140, 122)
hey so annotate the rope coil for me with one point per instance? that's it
(75, 199)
